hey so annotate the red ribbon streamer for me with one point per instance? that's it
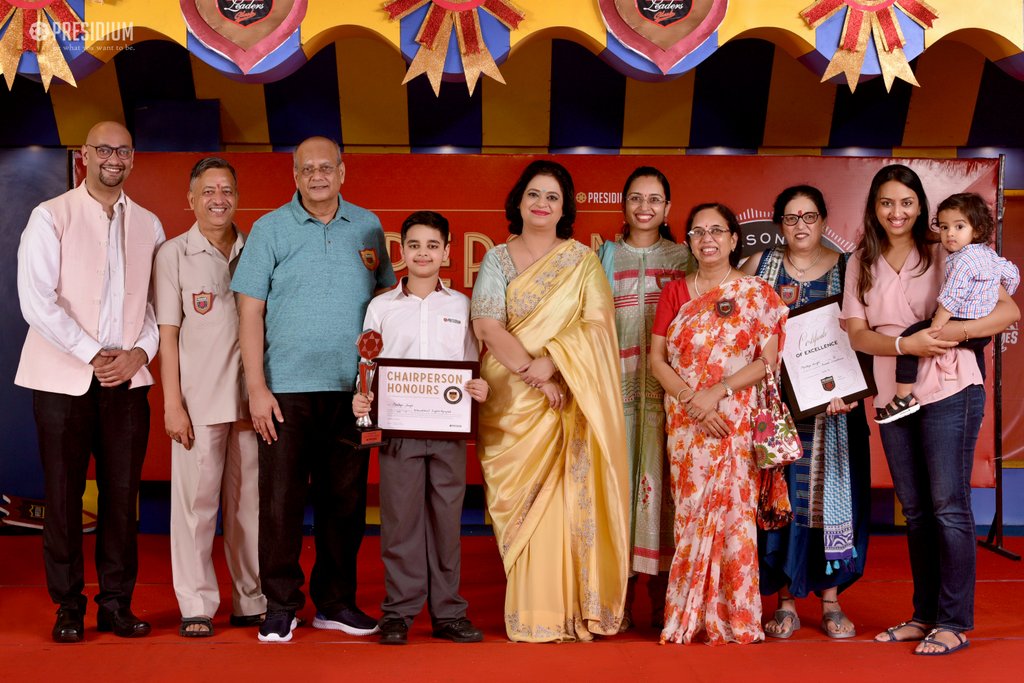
(431, 26)
(853, 27)
(67, 19)
(28, 20)
(400, 7)
(470, 39)
(505, 13)
(821, 10)
(887, 20)
(918, 11)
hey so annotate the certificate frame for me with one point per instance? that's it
(821, 319)
(381, 393)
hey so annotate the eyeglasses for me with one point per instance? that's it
(310, 171)
(653, 200)
(792, 218)
(104, 151)
(716, 231)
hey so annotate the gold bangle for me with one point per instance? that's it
(679, 392)
(967, 337)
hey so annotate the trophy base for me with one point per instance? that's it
(362, 438)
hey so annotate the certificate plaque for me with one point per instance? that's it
(425, 399)
(818, 363)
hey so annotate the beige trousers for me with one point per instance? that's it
(220, 471)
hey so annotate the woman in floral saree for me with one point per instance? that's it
(708, 354)
(552, 436)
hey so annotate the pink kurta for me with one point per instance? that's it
(896, 301)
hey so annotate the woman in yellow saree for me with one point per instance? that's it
(552, 442)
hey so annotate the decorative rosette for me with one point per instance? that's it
(29, 30)
(370, 344)
(435, 33)
(875, 19)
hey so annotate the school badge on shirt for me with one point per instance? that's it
(202, 302)
(664, 279)
(369, 257)
(789, 294)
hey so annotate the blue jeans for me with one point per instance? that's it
(930, 457)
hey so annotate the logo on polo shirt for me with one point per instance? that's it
(369, 257)
(202, 302)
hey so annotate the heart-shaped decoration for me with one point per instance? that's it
(244, 31)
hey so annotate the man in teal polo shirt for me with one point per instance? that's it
(307, 273)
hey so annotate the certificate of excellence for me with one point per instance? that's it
(425, 399)
(818, 363)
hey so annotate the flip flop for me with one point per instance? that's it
(205, 622)
(836, 617)
(891, 632)
(780, 616)
(946, 649)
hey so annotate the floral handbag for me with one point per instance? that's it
(776, 442)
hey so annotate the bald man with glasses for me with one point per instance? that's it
(304, 281)
(83, 283)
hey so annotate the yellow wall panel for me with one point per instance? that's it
(243, 111)
(324, 15)
(518, 114)
(658, 114)
(1001, 17)
(374, 106)
(162, 16)
(799, 106)
(942, 109)
(97, 98)
(746, 14)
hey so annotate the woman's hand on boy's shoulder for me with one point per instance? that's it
(479, 389)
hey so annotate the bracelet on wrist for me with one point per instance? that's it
(899, 352)
(679, 392)
(967, 337)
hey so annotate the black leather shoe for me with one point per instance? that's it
(393, 632)
(70, 626)
(459, 631)
(122, 622)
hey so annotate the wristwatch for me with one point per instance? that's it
(728, 389)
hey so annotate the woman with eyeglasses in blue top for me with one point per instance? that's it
(822, 551)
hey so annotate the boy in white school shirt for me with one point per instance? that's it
(423, 481)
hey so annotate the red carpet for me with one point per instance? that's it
(881, 599)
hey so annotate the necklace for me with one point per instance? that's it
(532, 254)
(801, 271)
(696, 284)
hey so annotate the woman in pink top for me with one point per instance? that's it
(893, 279)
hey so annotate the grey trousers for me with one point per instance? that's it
(422, 484)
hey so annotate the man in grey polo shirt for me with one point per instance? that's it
(307, 273)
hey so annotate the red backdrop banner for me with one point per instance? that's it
(471, 191)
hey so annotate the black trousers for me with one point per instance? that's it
(309, 451)
(112, 425)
